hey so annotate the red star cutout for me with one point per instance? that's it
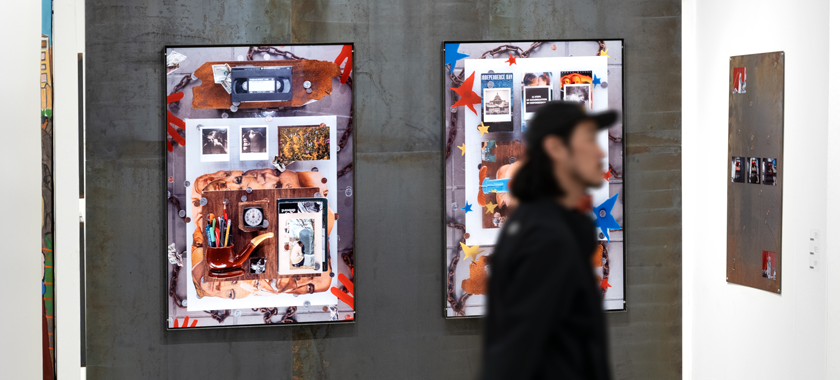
(607, 175)
(511, 61)
(605, 284)
(468, 96)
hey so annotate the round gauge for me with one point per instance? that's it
(253, 217)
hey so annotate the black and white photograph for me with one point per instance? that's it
(768, 171)
(214, 144)
(253, 143)
(497, 104)
(301, 233)
(578, 93)
(257, 265)
(754, 170)
(736, 171)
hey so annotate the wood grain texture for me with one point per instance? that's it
(318, 73)
(754, 211)
(240, 238)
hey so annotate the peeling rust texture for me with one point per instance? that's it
(319, 73)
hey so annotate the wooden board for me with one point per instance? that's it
(504, 151)
(268, 248)
(319, 73)
(754, 210)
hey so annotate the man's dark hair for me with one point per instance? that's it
(535, 179)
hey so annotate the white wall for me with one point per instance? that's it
(20, 332)
(68, 36)
(731, 331)
(832, 246)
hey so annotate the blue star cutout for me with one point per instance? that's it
(596, 81)
(452, 56)
(467, 208)
(603, 216)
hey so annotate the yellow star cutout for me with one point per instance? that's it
(463, 149)
(490, 207)
(470, 251)
(603, 53)
(483, 129)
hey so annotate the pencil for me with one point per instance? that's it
(227, 234)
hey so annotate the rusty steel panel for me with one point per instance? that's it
(755, 171)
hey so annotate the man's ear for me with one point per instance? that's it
(555, 148)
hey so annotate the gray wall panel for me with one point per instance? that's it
(400, 332)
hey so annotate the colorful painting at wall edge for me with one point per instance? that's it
(47, 225)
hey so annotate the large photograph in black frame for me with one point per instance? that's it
(249, 127)
(490, 89)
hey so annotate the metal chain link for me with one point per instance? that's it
(457, 305)
(268, 312)
(173, 284)
(271, 50)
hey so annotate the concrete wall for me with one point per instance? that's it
(20, 353)
(734, 332)
(400, 332)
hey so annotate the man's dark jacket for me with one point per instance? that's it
(545, 317)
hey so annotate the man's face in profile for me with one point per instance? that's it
(586, 155)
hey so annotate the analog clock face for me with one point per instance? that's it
(253, 217)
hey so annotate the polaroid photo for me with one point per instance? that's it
(754, 170)
(214, 144)
(739, 80)
(768, 171)
(303, 143)
(570, 86)
(536, 91)
(497, 101)
(768, 264)
(302, 234)
(578, 93)
(736, 172)
(497, 105)
(253, 143)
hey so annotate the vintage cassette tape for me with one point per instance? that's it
(261, 84)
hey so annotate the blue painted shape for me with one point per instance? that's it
(467, 208)
(607, 221)
(596, 81)
(495, 185)
(452, 56)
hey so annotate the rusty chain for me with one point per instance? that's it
(173, 284)
(268, 312)
(601, 47)
(271, 50)
(457, 305)
(522, 53)
(344, 170)
(219, 315)
(615, 173)
(349, 258)
(174, 201)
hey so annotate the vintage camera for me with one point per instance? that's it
(261, 84)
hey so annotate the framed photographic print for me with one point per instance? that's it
(259, 183)
(491, 91)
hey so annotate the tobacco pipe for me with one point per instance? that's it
(225, 263)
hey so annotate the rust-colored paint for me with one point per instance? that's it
(318, 73)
